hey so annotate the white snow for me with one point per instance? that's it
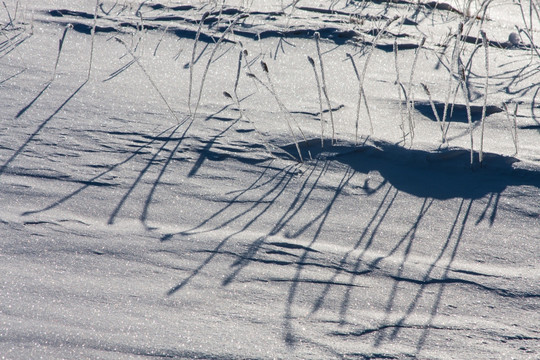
(130, 228)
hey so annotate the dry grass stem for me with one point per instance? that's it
(453, 61)
(93, 33)
(463, 82)
(282, 107)
(312, 62)
(151, 81)
(410, 102)
(434, 109)
(485, 43)
(370, 53)
(192, 61)
(205, 73)
(399, 87)
(514, 125)
(324, 88)
(361, 95)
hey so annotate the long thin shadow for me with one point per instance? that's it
(38, 130)
(93, 179)
(148, 201)
(206, 150)
(341, 267)
(299, 201)
(141, 174)
(437, 302)
(13, 45)
(255, 246)
(31, 103)
(258, 183)
(288, 330)
(425, 279)
(411, 235)
(12, 77)
(359, 260)
(324, 213)
(279, 188)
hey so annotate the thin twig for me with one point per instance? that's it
(465, 90)
(151, 81)
(484, 41)
(192, 61)
(312, 62)
(324, 88)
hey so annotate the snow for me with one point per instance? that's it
(132, 229)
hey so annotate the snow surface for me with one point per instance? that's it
(136, 224)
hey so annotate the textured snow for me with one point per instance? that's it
(133, 230)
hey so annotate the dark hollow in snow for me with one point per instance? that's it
(442, 175)
(455, 112)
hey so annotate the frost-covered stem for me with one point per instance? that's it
(484, 41)
(528, 30)
(359, 99)
(410, 103)
(453, 60)
(515, 128)
(220, 40)
(514, 125)
(92, 41)
(312, 62)
(361, 95)
(324, 88)
(244, 115)
(465, 90)
(282, 107)
(280, 103)
(398, 87)
(434, 109)
(370, 52)
(238, 69)
(192, 61)
(151, 80)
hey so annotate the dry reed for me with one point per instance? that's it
(484, 105)
(361, 95)
(463, 83)
(312, 62)
(325, 88)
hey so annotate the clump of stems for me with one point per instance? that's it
(434, 109)
(270, 88)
